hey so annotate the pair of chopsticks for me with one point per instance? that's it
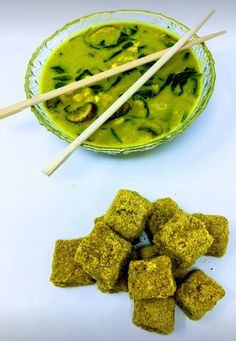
(164, 56)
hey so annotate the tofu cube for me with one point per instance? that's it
(151, 278)
(198, 294)
(103, 254)
(156, 314)
(162, 211)
(65, 271)
(218, 227)
(184, 239)
(128, 213)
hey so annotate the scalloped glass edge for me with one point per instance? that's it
(35, 67)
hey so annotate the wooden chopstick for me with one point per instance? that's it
(63, 156)
(13, 109)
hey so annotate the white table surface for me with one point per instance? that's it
(197, 169)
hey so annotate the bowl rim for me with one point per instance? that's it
(126, 150)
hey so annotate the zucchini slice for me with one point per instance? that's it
(121, 111)
(106, 36)
(82, 114)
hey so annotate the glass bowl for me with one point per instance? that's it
(36, 64)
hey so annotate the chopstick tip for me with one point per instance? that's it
(46, 171)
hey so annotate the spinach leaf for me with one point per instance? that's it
(59, 84)
(148, 130)
(96, 88)
(177, 81)
(144, 94)
(57, 69)
(62, 78)
(83, 74)
(118, 79)
(113, 55)
(181, 78)
(127, 45)
(186, 55)
(114, 133)
(147, 108)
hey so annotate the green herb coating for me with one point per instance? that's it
(151, 278)
(103, 254)
(198, 294)
(128, 213)
(184, 239)
(162, 211)
(218, 227)
(65, 271)
(156, 315)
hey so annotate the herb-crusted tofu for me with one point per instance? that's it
(156, 314)
(218, 228)
(151, 278)
(65, 271)
(184, 239)
(103, 254)
(128, 213)
(162, 211)
(198, 294)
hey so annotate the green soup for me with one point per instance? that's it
(158, 108)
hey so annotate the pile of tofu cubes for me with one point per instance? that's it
(157, 276)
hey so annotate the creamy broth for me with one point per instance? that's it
(159, 107)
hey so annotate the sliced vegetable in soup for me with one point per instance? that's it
(161, 105)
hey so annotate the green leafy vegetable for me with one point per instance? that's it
(144, 94)
(62, 78)
(147, 108)
(113, 55)
(148, 130)
(58, 69)
(53, 103)
(59, 85)
(96, 88)
(118, 79)
(186, 55)
(181, 78)
(130, 31)
(177, 81)
(123, 110)
(127, 45)
(83, 74)
(114, 133)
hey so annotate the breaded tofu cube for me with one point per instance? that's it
(103, 254)
(147, 252)
(218, 228)
(156, 314)
(128, 213)
(151, 278)
(198, 294)
(184, 239)
(162, 211)
(65, 271)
